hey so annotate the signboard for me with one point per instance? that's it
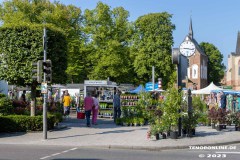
(227, 87)
(44, 88)
(95, 82)
(149, 86)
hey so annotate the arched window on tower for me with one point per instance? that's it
(194, 71)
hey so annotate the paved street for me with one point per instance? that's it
(34, 152)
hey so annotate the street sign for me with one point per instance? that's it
(44, 88)
(149, 86)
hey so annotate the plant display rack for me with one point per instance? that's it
(106, 109)
(129, 103)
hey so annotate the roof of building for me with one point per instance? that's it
(238, 44)
(190, 36)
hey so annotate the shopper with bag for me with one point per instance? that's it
(88, 105)
(95, 110)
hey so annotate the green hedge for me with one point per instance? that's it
(21, 45)
(23, 123)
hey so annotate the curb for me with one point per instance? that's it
(156, 148)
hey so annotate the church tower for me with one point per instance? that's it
(233, 71)
(196, 70)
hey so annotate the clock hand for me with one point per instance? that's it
(189, 48)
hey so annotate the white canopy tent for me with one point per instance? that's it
(207, 90)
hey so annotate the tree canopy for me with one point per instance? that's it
(22, 45)
(152, 44)
(215, 62)
(95, 44)
(108, 33)
(68, 18)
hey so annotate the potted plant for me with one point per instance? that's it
(171, 107)
(221, 119)
(141, 121)
(230, 118)
(135, 121)
(154, 131)
(236, 120)
(212, 114)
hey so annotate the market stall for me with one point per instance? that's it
(105, 91)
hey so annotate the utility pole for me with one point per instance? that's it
(44, 81)
(153, 78)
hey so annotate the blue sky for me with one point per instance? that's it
(214, 21)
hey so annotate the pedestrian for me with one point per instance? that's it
(117, 106)
(56, 96)
(66, 104)
(223, 100)
(88, 105)
(95, 109)
(49, 95)
(23, 96)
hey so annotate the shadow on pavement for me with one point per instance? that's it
(80, 135)
(4, 135)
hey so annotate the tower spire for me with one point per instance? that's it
(238, 44)
(190, 34)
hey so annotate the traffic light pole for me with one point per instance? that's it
(44, 80)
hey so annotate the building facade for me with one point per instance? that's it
(195, 71)
(233, 71)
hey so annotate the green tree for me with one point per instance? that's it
(68, 18)
(108, 33)
(152, 44)
(22, 45)
(215, 62)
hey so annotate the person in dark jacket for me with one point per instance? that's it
(223, 100)
(117, 106)
(23, 96)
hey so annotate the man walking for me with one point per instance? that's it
(117, 106)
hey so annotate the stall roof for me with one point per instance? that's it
(207, 90)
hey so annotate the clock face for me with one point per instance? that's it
(187, 48)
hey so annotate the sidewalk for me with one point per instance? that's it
(107, 135)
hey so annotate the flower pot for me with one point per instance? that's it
(164, 136)
(174, 134)
(223, 126)
(157, 136)
(237, 128)
(168, 133)
(184, 131)
(213, 126)
(218, 128)
(193, 131)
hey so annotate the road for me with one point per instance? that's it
(39, 152)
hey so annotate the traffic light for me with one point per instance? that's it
(48, 70)
(159, 83)
(37, 71)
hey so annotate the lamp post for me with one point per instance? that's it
(176, 60)
(44, 81)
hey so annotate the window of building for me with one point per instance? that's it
(194, 71)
